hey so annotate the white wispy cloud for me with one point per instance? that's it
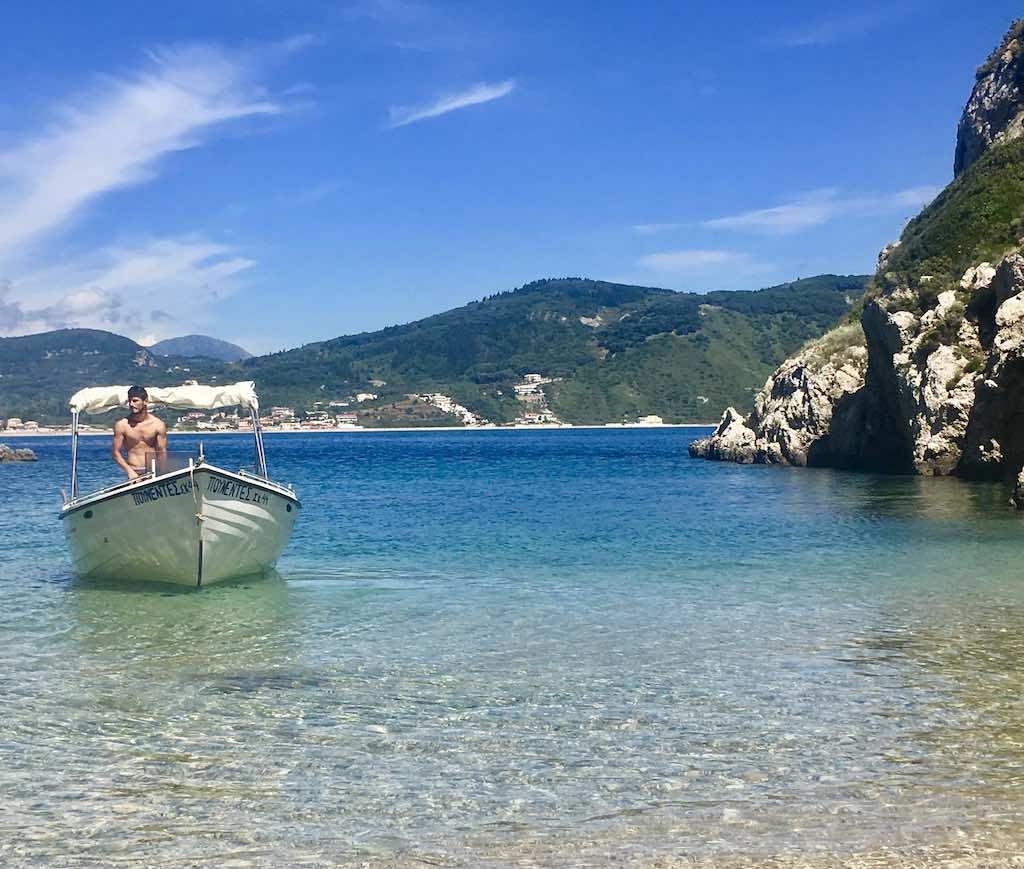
(656, 228)
(477, 94)
(113, 137)
(913, 197)
(820, 206)
(108, 137)
(156, 287)
(809, 209)
(688, 260)
(831, 30)
(301, 41)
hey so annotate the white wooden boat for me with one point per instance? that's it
(194, 524)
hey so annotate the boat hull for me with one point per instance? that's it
(192, 527)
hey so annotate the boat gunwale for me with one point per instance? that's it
(137, 485)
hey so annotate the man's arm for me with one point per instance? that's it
(161, 439)
(115, 450)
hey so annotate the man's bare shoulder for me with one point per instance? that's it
(120, 426)
(161, 426)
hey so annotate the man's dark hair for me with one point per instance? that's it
(138, 392)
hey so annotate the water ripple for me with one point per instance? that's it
(528, 648)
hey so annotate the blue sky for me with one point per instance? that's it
(274, 176)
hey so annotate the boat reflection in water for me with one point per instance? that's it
(184, 521)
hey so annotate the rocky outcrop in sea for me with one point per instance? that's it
(9, 454)
(932, 392)
(931, 379)
(792, 415)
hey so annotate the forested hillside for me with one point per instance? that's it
(615, 351)
(38, 373)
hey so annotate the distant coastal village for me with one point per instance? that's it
(357, 412)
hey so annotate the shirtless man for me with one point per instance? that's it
(140, 432)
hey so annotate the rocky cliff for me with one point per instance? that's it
(792, 415)
(995, 109)
(931, 379)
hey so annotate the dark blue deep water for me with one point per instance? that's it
(547, 648)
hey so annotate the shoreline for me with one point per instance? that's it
(361, 430)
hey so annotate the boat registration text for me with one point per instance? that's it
(238, 491)
(163, 490)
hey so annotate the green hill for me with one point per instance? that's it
(615, 351)
(38, 373)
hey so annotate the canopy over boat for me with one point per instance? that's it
(96, 399)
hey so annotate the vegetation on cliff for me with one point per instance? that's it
(1011, 42)
(978, 217)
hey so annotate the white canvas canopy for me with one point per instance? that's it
(96, 399)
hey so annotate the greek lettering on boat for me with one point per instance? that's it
(162, 490)
(238, 491)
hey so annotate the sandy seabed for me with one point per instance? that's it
(960, 852)
(942, 856)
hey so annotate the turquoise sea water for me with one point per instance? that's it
(552, 648)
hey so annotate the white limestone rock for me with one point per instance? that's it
(885, 254)
(793, 411)
(933, 393)
(978, 276)
(995, 111)
(732, 441)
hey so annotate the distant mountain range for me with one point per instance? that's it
(614, 352)
(200, 345)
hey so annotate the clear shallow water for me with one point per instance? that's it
(547, 648)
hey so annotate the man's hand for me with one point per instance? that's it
(132, 474)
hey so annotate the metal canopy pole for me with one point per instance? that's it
(257, 430)
(74, 454)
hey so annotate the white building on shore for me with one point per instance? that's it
(446, 404)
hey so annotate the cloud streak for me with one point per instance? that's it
(701, 262)
(161, 285)
(680, 260)
(820, 206)
(474, 96)
(832, 30)
(656, 228)
(114, 137)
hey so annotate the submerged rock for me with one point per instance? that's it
(8, 454)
